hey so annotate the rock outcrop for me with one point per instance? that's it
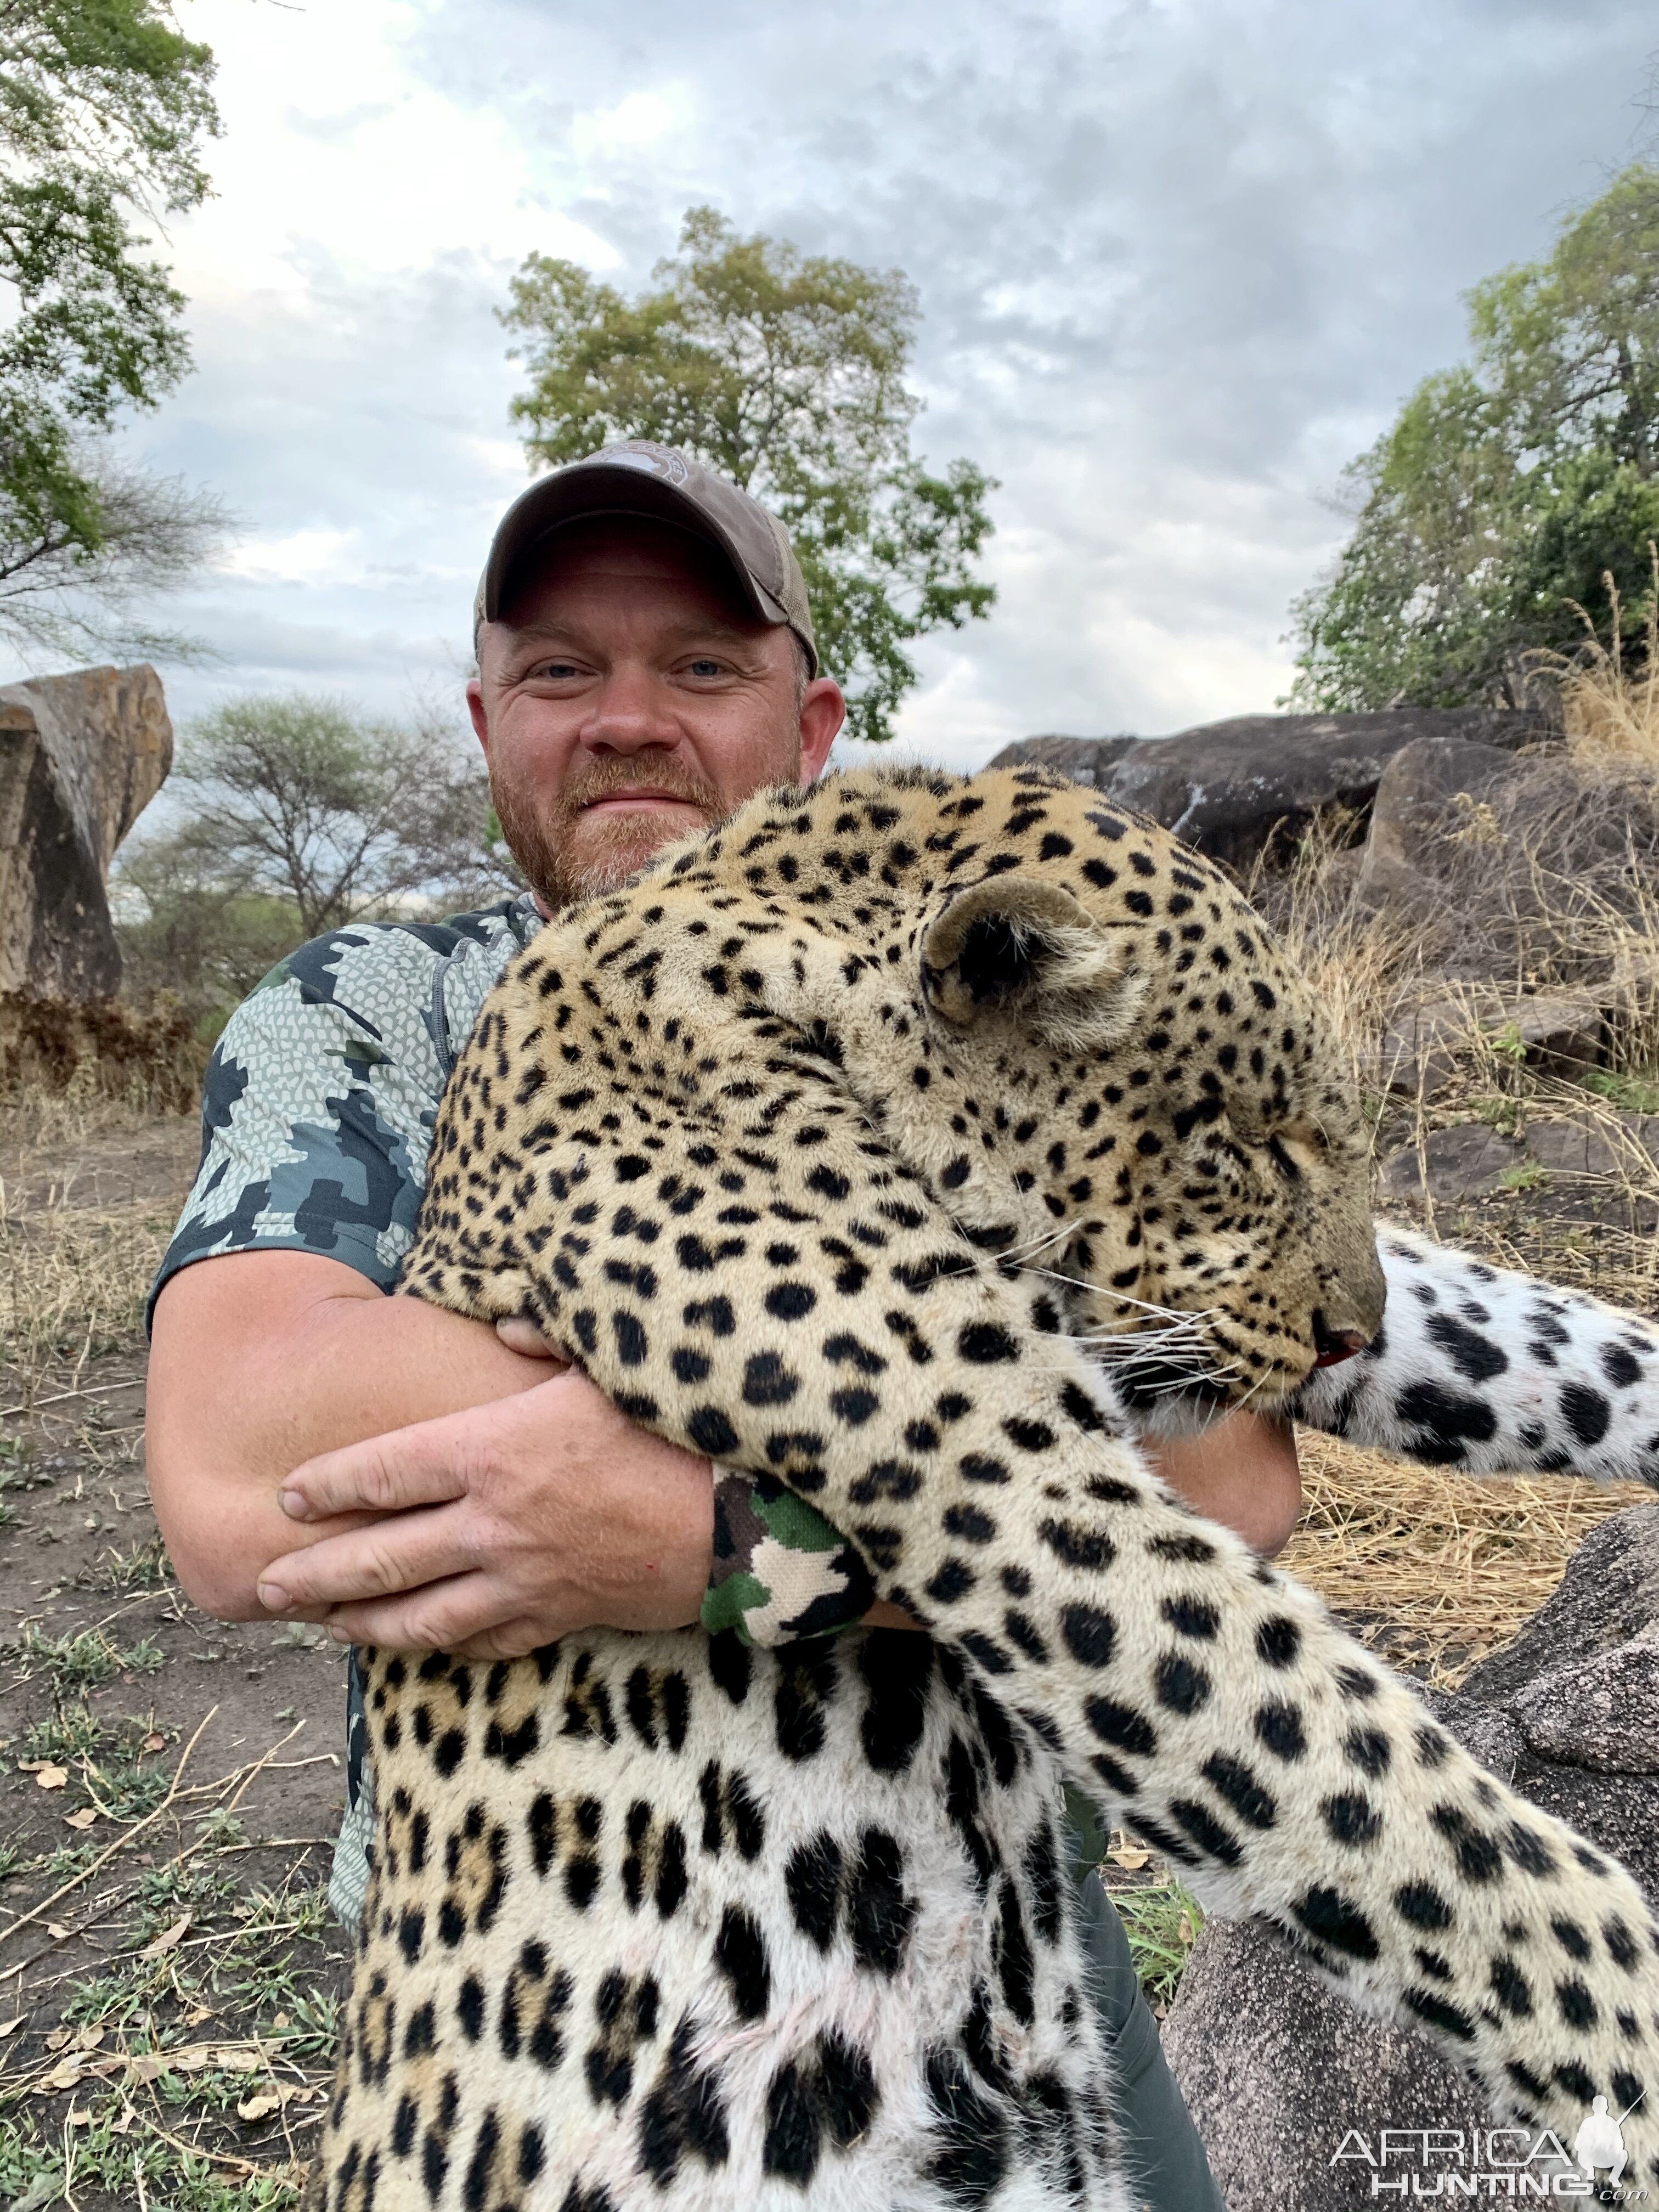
(1557, 1032)
(1232, 789)
(1286, 2081)
(81, 758)
(1597, 1168)
(1420, 795)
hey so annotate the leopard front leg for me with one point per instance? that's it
(1480, 1368)
(818, 1317)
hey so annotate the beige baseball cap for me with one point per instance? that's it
(638, 477)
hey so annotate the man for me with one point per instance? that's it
(645, 660)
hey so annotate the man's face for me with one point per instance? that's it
(629, 694)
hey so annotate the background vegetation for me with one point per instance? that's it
(786, 374)
(290, 815)
(104, 107)
(1513, 502)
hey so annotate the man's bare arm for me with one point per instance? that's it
(415, 1580)
(414, 1481)
(261, 1361)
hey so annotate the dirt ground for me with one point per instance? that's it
(170, 1786)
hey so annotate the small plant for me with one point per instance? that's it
(1632, 1092)
(127, 1788)
(1508, 1043)
(74, 1662)
(1525, 1175)
(83, 1661)
(1162, 1922)
(70, 1733)
(142, 1566)
(196, 1885)
(146, 1656)
(1499, 1114)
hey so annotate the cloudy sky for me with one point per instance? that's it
(1177, 263)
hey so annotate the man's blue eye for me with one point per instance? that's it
(705, 668)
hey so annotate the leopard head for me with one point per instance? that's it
(1117, 1080)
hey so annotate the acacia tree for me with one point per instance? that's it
(785, 373)
(299, 815)
(1509, 488)
(335, 814)
(104, 106)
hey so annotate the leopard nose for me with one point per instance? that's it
(1333, 1345)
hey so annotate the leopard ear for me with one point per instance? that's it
(1022, 947)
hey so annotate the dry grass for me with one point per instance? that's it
(1358, 961)
(73, 1275)
(141, 1057)
(1609, 712)
(1552, 882)
(1443, 1567)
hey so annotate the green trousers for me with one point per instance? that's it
(1168, 2158)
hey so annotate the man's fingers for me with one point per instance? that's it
(419, 1466)
(382, 1559)
(446, 1616)
(521, 1335)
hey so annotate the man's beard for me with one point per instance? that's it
(567, 856)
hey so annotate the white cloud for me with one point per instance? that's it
(304, 557)
(1177, 263)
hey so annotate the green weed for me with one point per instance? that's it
(70, 1732)
(1632, 1092)
(38, 2170)
(1161, 1920)
(1525, 1175)
(1499, 1113)
(142, 1566)
(127, 1788)
(83, 1661)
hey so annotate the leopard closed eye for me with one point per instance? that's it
(916, 1143)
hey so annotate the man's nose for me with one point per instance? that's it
(630, 714)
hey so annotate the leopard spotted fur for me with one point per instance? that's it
(919, 1141)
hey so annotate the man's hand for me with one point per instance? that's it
(505, 1527)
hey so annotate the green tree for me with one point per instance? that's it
(786, 373)
(104, 106)
(291, 816)
(1509, 487)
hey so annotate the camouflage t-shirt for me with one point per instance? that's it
(317, 1115)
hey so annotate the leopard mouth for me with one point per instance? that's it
(1148, 1383)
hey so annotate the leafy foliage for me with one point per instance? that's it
(61, 591)
(103, 108)
(301, 816)
(786, 373)
(1488, 519)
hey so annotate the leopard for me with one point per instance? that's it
(926, 1145)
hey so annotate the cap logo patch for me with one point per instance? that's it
(652, 460)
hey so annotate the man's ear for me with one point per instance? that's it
(475, 707)
(1020, 947)
(823, 711)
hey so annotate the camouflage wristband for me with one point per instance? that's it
(781, 1570)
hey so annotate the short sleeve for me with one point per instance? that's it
(318, 1107)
